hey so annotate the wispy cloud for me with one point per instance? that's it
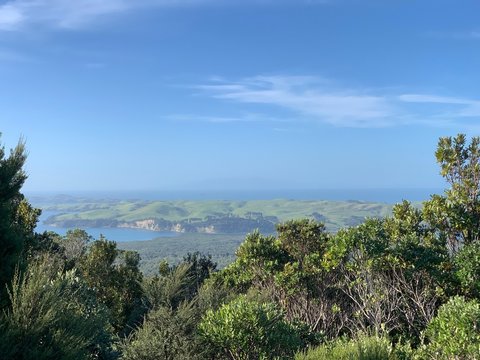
(247, 118)
(11, 17)
(464, 107)
(75, 14)
(17, 14)
(311, 98)
(308, 96)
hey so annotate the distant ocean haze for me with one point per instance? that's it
(384, 195)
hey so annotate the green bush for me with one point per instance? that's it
(245, 329)
(362, 348)
(53, 316)
(467, 263)
(165, 334)
(455, 332)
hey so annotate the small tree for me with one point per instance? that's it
(457, 214)
(200, 268)
(116, 279)
(17, 218)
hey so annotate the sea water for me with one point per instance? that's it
(115, 234)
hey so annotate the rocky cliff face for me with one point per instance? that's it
(153, 225)
(212, 225)
(148, 224)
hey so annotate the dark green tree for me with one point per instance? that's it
(200, 268)
(74, 246)
(17, 217)
(301, 238)
(166, 333)
(115, 276)
(456, 214)
(53, 315)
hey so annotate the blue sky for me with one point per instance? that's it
(225, 94)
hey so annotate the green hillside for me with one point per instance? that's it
(334, 214)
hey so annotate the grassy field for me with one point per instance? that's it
(335, 214)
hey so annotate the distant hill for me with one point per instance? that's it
(214, 217)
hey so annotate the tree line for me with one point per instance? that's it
(406, 286)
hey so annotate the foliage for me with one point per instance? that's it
(201, 265)
(170, 288)
(41, 244)
(455, 332)
(213, 293)
(17, 217)
(361, 348)
(457, 214)
(165, 334)
(300, 238)
(467, 265)
(392, 272)
(173, 249)
(53, 315)
(116, 279)
(257, 257)
(243, 329)
(169, 329)
(74, 246)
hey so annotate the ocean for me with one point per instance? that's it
(116, 234)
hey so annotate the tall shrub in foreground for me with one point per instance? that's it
(244, 330)
(17, 217)
(166, 333)
(455, 332)
(53, 315)
(362, 348)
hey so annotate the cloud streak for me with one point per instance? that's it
(312, 98)
(17, 15)
(463, 107)
(307, 96)
(247, 118)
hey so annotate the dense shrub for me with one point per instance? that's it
(467, 263)
(165, 334)
(361, 348)
(244, 329)
(455, 332)
(52, 316)
(116, 278)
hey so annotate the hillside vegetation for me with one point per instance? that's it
(402, 286)
(206, 216)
